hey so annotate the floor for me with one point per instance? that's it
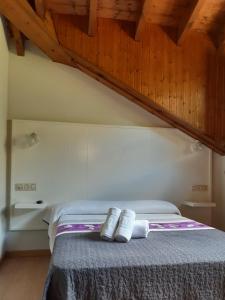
(22, 278)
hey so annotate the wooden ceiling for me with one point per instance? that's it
(161, 12)
(183, 15)
(165, 55)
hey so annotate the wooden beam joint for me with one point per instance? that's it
(19, 40)
(92, 24)
(189, 19)
(40, 8)
(141, 21)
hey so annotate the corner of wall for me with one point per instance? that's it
(219, 191)
(4, 62)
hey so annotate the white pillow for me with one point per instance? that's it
(93, 207)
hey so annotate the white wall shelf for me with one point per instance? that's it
(200, 204)
(26, 205)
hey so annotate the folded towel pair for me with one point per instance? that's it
(122, 226)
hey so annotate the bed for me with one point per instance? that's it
(181, 259)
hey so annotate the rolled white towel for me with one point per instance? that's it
(141, 229)
(109, 227)
(126, 226)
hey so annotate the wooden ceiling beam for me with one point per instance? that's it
(19, 40)
(219, 39)
(21, 14)
(40, 8)
(141, 21)
(189, 19)
(220, 42)
(50, 26)
(92, 24)
(26, 20)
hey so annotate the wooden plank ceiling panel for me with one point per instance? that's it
(174, 78)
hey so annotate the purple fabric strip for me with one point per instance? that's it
(77, 228)
(177, 225)
(168, 226)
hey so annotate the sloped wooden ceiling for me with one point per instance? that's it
(165, 55)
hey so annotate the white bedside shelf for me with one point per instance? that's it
(200, 204)
(24, 205)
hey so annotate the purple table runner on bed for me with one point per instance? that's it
(153, 226)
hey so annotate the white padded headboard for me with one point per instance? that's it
(98, 162)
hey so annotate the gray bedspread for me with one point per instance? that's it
(179, 265)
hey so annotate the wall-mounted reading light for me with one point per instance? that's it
(33, 139)
(27, 140)
(196, 146)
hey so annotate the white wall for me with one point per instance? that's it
(219, 191)
(3, 118)
(42, 90)
(101, 162)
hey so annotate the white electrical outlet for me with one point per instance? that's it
(25, 187)
(18, 187)
(33, 187)
(200, 188)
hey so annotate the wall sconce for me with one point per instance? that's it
(32, 139)
(196, 146)
(27, 140)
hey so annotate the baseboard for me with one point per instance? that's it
(27, 253)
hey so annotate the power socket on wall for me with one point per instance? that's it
(25, 187)
(200, 188)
